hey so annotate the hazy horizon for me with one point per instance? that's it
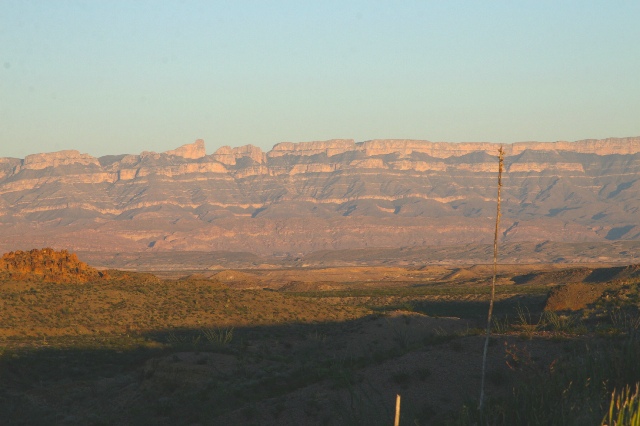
(125, 77)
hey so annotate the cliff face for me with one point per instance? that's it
(191, 151)
(336, 194)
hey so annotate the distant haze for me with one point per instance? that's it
(114, 77)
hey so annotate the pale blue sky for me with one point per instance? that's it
(111, 77)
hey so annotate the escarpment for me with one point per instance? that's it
(323, 195)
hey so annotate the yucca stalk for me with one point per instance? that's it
(493, 281)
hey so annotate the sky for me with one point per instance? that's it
(114, 77)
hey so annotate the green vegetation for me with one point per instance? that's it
(624, 408)
(435, 289)
(575, 390)
(590, 384)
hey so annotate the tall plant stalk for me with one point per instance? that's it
(493, 281)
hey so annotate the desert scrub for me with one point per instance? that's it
(626, 320)
(218, 336)
(624, 408)
(500, 326)
(444, 289)
(574, 390)
(557, 322)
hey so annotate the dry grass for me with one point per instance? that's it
(138, 350)
(33, 310)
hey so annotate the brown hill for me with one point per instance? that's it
(581, 287)
(573, 296)
(46, 265)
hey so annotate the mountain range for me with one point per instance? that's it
(316, 197)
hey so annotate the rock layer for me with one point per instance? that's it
(326, 195)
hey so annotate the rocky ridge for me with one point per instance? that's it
(323, 195)
(46, 265)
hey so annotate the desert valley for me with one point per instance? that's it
(313, 283)
(289, 213)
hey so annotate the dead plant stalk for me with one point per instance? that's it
(493, 281)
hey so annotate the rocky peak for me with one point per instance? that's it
(8, 166)
(331, 147)
(55, 159)
(229, 156)
(191, 150)
(46, 265)
(406, 147)
(610, 146)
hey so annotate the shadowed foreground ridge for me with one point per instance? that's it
(328, 346)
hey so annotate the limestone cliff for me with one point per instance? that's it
(229, 156)
(335, 194)
(192, 151)
(57, 159)
(330, 148)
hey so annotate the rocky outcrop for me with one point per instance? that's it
(8, 166)
(229, 156)
(329, 148)
(46, 265)
(57, 159)
(611, 146)
(433, 149)
(191, 151)
(540, 167)
(405, 147)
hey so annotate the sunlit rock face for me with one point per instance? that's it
(191, 151)
(323, 195)
(46, 265)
